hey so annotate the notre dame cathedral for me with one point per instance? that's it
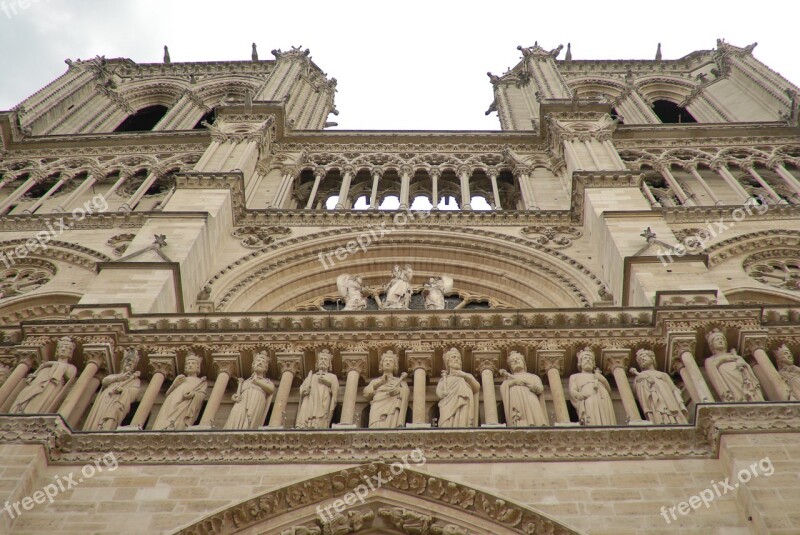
(218, 315)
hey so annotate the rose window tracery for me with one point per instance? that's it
(783, 273)
(24, 277)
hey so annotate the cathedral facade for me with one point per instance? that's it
(219, 316)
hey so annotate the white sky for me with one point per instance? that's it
(415, 65)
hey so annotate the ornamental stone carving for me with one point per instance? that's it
(458, 402)
(253, 397)
(434, 291)
(184, 398)
(658, 396)
(258, 237)
(387, 395)
(398, 290)
(353, 290)
(590, 392)
(318, 395)
(48, 385)
(119, 391)
(731, 376)
(522, 394)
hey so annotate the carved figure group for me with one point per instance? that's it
(318, 395)
(398, 290)
(184, 398)
(118, 392)
(434, 291)
(522, 394)
(590, 392)
(252, 398)
(387, 395)
(457, 392)
(353, 290)
(788, 371)
(658, 396)
(731, 376)
(49, 384)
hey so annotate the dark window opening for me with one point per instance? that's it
(209, 118)
(38, 190)
(143, 120)
(615, 115)
(671, 113)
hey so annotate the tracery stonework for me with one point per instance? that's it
(298, 330)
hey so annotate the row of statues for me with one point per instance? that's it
(397, 292)
(522, 392)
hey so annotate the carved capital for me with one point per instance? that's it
(550, 358)
(377, 172)
(320, 172)
(435, 172)
(521, 171)
(163, 363)
(28, 355)
(290, 362)
(492, 172)
(420, 360)
(679, 343)
(229, 363)
(98, 354)
(751, 340)
(615, 358)
(406, 170)
(354, 361)
(483, 359)
(348, 169)
(464, 170)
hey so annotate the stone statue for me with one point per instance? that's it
(731, 376)
(458, 402)
(355, 293)
(434, 290)
(184, 398)
(252, 398)
(167, 59)
(660, 399)
(254, 53)
(119, 390)
(48, 385)
(387, 395)
(522, 394)
(788, 371)
(398, 290)
(590, 392)
(318, 395)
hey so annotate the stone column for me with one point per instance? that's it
(435, 174)
(615, 362)
(405, 186)
(495, 191)
(729, 179)
(420, 364)
(162, 366)
(319, 174)
(464, 173)
(344, 189)
(522, 174)
(377, 172)
(692, 168)
(227, 365)
(27, 359)
(288, 176)
(486, 364)
(748, 166)
(787, 177)
(664, 169)
(133, 201)
(17, 193)
(290, 365)
(354, 367)
(754, 344)
(681, 346)
(41, 200)
(551, 363)
(95, 357)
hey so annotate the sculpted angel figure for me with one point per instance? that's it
(119, 391)
(253, 397)
(788, 371)
(590, 392)
(457, 392)
(660, 399)
(184, 398)
(398, 290)
(434, 291)
(731, 376)
(352, 288)
(318, 395)
(522, 394)
(387, 395)
(48, 385)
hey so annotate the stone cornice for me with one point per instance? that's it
(700, 440)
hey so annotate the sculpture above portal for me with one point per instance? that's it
(398, 290)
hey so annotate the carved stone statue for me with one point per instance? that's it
(252, 398)
(457, 389)
(590, 392)
(434, 291)
(522, 394)
(184, 398)
(318, 395)
(48, 385)
(731, 376)
(398, 290)
(353, 290)
(788, 371)
(660, 399)
(387, 395)
(119, 390)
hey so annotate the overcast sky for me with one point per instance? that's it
(410, 65)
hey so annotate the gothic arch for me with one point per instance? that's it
(405, 501)
(664, 88)
(753, 241)
(513, 270)
(43, 306)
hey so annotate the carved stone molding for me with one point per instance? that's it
(163, 363)
(420, 359)
(483, 359)
(229, 363)
(100, 354)
(550, 358)
(750, 340)
(679, 343)
(355, 361)
(615, 358)
(290, 362)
